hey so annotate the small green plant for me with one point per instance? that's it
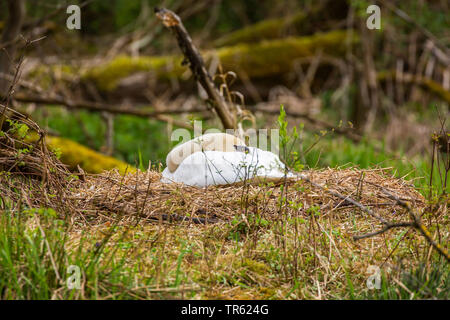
(293, 158)
(314, 210)
(241, 226)
(19, 129)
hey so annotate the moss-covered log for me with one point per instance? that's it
(73, 154)
(264, 30)
(320, 17)
(264, 59)
(425, 83)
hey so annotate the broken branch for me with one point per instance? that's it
(196, 64)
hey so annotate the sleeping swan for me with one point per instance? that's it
(220, 165)
(208, 142)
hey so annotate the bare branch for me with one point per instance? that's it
(97, 106)
(196, 64)
(386, 228)
(417, 224)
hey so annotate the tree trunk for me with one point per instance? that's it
(16, 9)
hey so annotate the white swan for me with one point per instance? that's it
(208, 142)
(216, 167)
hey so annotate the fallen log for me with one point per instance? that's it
(425, 83)
(264, 30)
(74, 154)
(265, 59)
(320, 17)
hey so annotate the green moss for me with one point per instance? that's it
(269, 58)
(74, 154)
(108, 75)
(46, 75)
(426, 83)
(268, 29)
(436, 88)
(256, 266)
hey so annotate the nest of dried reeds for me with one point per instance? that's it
(141, 195)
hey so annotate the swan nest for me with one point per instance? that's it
(145, 196)
(44, 182)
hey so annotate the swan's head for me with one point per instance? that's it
(243, 148)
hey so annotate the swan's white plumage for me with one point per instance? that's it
(208, 142)
(217, 168)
